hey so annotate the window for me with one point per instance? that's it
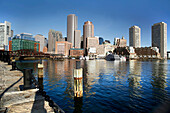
(7, 30)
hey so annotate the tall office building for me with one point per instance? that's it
(53, 36)
(135, 36)
(88, 31)
(72, 22)
(77, 41)
(159, 38)
(40, 38)
(5, 33)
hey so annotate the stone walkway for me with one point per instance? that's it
(16, 101)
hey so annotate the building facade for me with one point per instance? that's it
(77, 41)
(40, 38)
(5, 33)
(53, 36)
(26, 36)
(135, 36)
(159, 38)
(72, 21)
(88, 31)
(63, 47)
(120, 42)
(101, 40)
(76, 52)
(23, 44)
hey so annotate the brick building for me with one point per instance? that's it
(76, 52)
(63, 47)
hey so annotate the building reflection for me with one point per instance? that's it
(134, 76)
(158, 82)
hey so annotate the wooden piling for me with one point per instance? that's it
(40, 70)
(78, 80)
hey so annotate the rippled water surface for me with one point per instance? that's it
(108, 86)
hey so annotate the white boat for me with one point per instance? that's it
(86, 57)
(122, 58)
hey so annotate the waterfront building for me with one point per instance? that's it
(135, 53)
(159, 38)
(77, 41)
(53, 36)
(120, 42)
(72, 22)
(92, 43)
(26, 36)
(5, 33)
(63, 47)
(135, 36)
(40, 38)
(22, 44)
(88, 31)
(101, 40)
(115, 41)
(76, 52)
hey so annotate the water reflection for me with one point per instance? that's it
(107, 86)
(134, 76)
(159, 73)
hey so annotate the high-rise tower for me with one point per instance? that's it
(134, 36)
(71, 27)
(159, 38)
(88, 31)
(5, 33)
(53, 36)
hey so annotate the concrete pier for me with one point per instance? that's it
(13, 100)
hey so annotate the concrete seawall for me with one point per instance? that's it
(13, 100)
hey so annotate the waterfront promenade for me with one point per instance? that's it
(13, 100)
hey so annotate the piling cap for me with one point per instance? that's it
(40, 66)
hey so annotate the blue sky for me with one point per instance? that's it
(111, 18)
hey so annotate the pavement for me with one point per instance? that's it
(13, 100)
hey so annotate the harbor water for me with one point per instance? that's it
(108, 86)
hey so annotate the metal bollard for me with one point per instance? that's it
(27, 78)
(13, 65)
(9, 61)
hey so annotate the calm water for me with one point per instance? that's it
(108, 86)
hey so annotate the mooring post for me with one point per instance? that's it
(2, 56)
(9, 61)
(40, 70)
(78, 80)
(27, 78)
(13, 64)
(40, 75)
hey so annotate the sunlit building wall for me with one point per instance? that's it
(5, 33)
(135, 36)
(159, 38)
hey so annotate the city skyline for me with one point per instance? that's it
(110, 21)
